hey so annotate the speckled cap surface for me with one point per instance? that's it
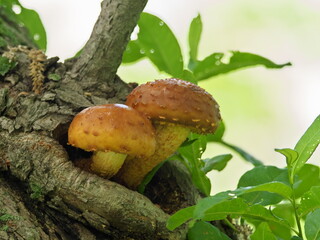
(177, 101)
(114, 127)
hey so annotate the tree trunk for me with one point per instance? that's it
(42, 194)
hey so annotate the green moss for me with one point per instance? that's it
(5, 218)
(54, 77)
(6, 65)
(36, 192)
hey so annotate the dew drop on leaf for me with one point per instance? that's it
(36, 37)
(16, 9)
(161, 23)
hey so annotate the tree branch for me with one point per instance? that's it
(42, 163)
(102, 54)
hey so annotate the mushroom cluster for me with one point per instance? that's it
(175, 108)
(136, 137)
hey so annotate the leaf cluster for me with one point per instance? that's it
(157, 42)
(274, 201)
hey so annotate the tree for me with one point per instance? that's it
(43, 196)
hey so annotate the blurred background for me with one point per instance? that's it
(263, 109)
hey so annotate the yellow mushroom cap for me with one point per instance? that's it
(177, 101)
(112, 127)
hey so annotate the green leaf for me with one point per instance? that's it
(263, 232)
(148, 177)
(33, 23)
(159, 44)
(201, 181)
(180, 217)
(216, 163)
(191, 155)
(218, 135)
(238, 207)
(132, 53)
(312, 225)
(296, 238)
(246, 156)
(200, 145)
(291, 158)
(307, 145)
(188, 76)
(206, 203)
(272, 187)
(263, 175)
(194, 37)
(205, 231)
(283, 211)
(213, 65)
(5, 65)
(307, 177)
(309, 201)
(291, 155)
(30, 19)
(188, 142)
(234, 207)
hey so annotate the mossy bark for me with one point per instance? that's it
(42, 194)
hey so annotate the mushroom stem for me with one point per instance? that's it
(169, 137)
(106, 164)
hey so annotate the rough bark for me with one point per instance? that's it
(41, 164)
(42, 194)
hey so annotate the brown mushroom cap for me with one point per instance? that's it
(112, 127)
(177, 101)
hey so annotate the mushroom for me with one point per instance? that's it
(175, 108)
(112, 132)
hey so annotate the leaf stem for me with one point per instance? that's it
(230, 224)
(293, 202)
(246, 156)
